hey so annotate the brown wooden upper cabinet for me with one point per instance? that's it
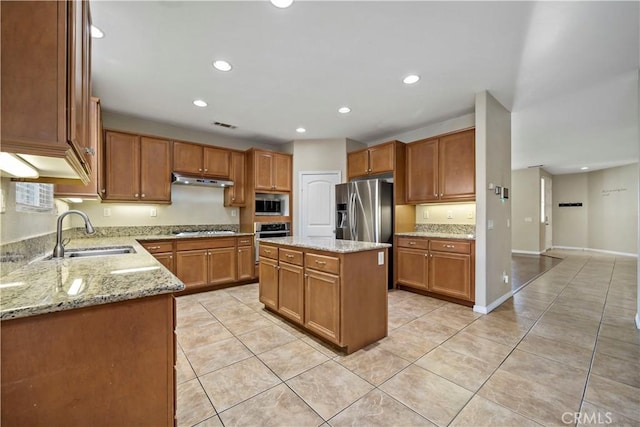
(235, 195)
(46, 81)
(272, 171)
(92, 189)
(442, 169)
(201, 160)
(371, 161)
(137, 168)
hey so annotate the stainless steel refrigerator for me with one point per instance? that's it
(364, 211)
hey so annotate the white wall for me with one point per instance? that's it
(638, 133)
(493, 165)
(525, 213)
(456, 123)
(607, 221)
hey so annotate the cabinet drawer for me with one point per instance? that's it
(450, 246)
(157, 247)
(322, 263)
(268, 251)
(245, 241)
(187, 245)
(412, 242)
(290, 256)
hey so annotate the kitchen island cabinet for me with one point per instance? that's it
(438, 267)
(334, 289)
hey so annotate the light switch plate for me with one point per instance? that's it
(490, 224)
(380, 258)
(106, 212)
(470, 215)
(425, 214)
(153, 212)
(450, 214)
(3, 206)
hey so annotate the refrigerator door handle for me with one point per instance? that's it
(352, 216)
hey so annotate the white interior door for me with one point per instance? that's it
(317, 203)
(548, 209)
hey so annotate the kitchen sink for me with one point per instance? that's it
(88, 252)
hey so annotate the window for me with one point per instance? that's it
(31, 197)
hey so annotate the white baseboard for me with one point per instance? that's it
(517, 251)
(638, 320)
(603, 251)
(489, 308)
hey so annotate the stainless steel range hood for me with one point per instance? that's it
(177, 178)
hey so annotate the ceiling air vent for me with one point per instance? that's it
(224, 125)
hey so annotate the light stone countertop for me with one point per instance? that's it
(46, 286)
(438, 235)
(328, 244)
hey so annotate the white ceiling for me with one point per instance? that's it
(567, 70)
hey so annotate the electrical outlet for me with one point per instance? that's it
(234, 212)
(450, 214)
(425, 214)
(3, 206)
(106, 212)
(470, 215)
(153, 212)
(380, 258)
(490, 224)
(505, 277)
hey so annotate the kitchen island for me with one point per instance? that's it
(334, 289)
(89, 340)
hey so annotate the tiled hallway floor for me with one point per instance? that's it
(565, 343)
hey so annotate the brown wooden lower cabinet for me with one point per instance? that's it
(106, 365)
(436, 267)
(339, 297)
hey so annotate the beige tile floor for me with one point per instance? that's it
(565, 348)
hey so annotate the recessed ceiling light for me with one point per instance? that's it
(199, 103)
(584, 168)
(96, 32)
(411, 79)
(282, 3)
(344, 110)
(221, 65)
(301, 130)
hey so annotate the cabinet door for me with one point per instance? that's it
(155, 170)
(78, 82)
(268, 286)
(457, 164)
(235, 195)
(122, 166)
(216, 162)
(166, 259)
(322, 304)
(422, 171)
(263, 166)
(191, 267)
(413, 268)
(222, 265)
(357, 164)
(246, 262)
(291, 292)
(381, 158)
(187, 158)
(450, 274)
(281, 172)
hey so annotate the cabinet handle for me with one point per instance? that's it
(90, 151)
(135, 195)
(266, 251)
(233, 199)
(440, 194)
(170, 256)
(143, 195)
(199, 169)
(289, 256)
(430, 255)
(154, 247)
(412, 243)
(321, 262)
(103, 191)
(306, 275)
(206, 170)
(449, 246)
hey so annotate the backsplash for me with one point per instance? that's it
(15, 255)
(447, 228)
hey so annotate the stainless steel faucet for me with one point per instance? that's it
(58, 251)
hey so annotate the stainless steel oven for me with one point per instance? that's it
(265, 230)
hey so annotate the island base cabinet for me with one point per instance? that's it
(322, 305)
(291, 292)
(268, 286)
(106, 365)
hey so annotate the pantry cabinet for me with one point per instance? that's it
(235, 195)
(436, 267)
(46, 82)
(137, 168)
(441, 169)
(196, 159)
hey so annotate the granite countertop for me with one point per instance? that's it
(438, 235)
(46, 286)
(329, 244)
(195, 235)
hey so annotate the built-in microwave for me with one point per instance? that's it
(270, 204)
